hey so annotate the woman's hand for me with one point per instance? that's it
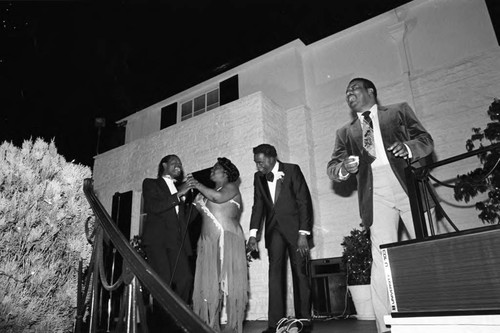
(192, 181)
(199, 200)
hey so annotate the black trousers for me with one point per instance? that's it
(163, 260)
(279, 251)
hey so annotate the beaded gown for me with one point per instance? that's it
(221, 267)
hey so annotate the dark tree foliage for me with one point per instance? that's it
(357, 256)
(486, 178)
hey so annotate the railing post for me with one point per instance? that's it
(79, 302)
(95, 311)
(416, 203)
(133, 306)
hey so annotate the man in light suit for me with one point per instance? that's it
(282, 199)
(166, 245)
(397, 137)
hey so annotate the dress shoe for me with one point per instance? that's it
(307, 328)
(270, 330)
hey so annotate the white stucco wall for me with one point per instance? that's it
(277, 74)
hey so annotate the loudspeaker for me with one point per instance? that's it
(328, 286)
(450, 274)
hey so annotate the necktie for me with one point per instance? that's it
(269, 176)
(368, 136)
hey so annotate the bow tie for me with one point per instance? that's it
(269, 176)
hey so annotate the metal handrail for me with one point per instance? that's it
(184, 317)
(417, 180)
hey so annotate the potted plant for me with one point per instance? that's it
(357, 260)
(487, 177)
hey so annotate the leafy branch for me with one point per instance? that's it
(357, 256)
(486, 178)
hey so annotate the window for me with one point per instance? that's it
(200, 104)
(187, 110)
(225, 93)
(229, 90)
(168, 115)
(213, 99)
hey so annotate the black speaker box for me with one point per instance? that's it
(451, 274)
(328, 286)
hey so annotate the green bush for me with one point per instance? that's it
(357, 257)
(487, 177)
(43, 212)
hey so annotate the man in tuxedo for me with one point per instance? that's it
(376, 146)
(166, 245)
(282, 199)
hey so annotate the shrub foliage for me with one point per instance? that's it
(43, 212)
(357, 256)
(487, 177)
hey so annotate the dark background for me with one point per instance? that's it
(65, 63)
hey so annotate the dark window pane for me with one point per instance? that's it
(213, 97)
(229, 90)
(199, 105)
(187, 110)
(168, 115)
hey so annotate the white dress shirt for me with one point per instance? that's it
(171, 186)
(272, 185)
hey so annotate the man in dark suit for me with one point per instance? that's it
(377, 146)
(166, 245)
(282, 199)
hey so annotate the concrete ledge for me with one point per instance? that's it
(445, 324)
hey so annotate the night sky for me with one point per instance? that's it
(65, 63)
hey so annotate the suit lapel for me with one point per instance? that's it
(265, 187)
(163, 185)
(384, 125)
(357, 133)
(279, 183)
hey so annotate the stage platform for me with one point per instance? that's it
(446, 324)
(322, 326)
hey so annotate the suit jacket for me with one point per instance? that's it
(163, 226)
(292, 210)
(397, 123)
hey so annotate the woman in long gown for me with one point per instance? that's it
(221, 268)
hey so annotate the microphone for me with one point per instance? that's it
(185, 180)
(189, 196)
